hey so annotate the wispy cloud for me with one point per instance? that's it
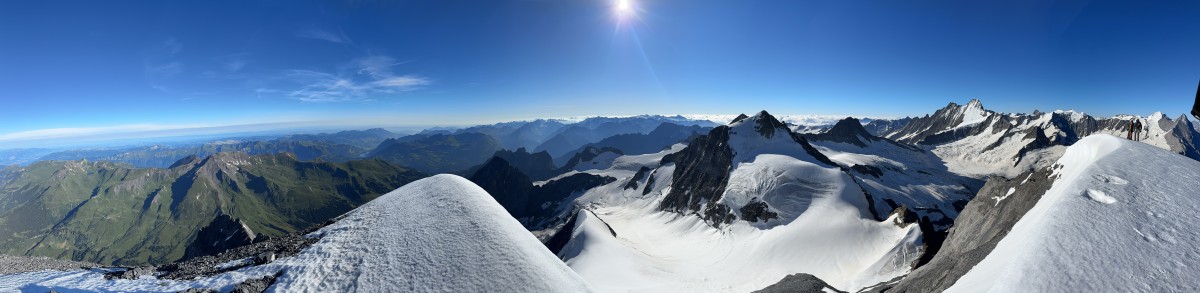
(233, 63)
(324, 35)
(371, 76)
(160, 65)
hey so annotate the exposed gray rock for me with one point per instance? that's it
(757, 210)
(639, 176)
(131, 273)
(537, 207)
(10, 264)
(701, 174)
(258, 253)
(258, 285)
(224, 232)
(986, 219)
(799, 283)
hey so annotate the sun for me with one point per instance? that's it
(624, 7)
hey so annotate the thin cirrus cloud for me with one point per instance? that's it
(372, 76)
(160, 65)
(324, 35)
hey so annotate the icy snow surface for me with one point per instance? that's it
(822, 231)
(1121, 217)
(439, 234)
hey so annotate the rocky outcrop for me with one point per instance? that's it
(504, 182)
(701, 173)
(637, 177)
(535, 206)
(799, 283)
(847, 130)
(262, 252)
(981, 225)
(257, 285)
(537, 166)
(10, 264)
(224, 232)
(756, 211)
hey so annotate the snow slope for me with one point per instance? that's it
(439, 234)
(624, 242)
(910, 177)
(1121, 217)
(655, 251)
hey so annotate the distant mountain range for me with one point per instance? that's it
(109, 213)
(333, 147)
(910, 204)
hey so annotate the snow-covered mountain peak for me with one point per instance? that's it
(975, 104)
(973, 113)
(764, 134)
(762, 123)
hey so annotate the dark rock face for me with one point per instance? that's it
(767, 124)
(867, 170)
(799, 283)
(739, 118)
(641, 174)
(224, 232)
(847, 130)
(535, 206)
(560, 238)
(977, 230)
(701, 174)
(757, 210)
(537, 166)
(649, 184)
(508, 185)
(1188, 142)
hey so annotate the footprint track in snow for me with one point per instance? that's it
(1100, 196)
(1110, 179)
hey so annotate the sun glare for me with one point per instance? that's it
(624, 7)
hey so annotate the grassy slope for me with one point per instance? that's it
(108, 213)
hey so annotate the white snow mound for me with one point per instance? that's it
(438, 234)
(1121, 217)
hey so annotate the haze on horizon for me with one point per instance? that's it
(85, 69)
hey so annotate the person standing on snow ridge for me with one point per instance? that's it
(1129, 131)
(1137, 130)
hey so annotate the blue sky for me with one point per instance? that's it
(88, 66)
